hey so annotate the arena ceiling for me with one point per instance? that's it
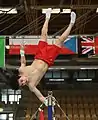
(29, 21)
(30, 16)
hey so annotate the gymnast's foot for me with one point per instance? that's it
(73, 17)
(48, 13)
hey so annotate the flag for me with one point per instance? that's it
(2, 51)
(69, 47)
(96, 45)
(71, 44)
(87, 44)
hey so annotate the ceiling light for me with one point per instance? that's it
(97, 10)
(84, 80)
(8, 10)
(56, 10)
(66, 11)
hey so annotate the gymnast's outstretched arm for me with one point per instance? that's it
(36, 92)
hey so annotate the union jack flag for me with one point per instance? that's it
(87, 45)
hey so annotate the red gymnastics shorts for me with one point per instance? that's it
(47, 53)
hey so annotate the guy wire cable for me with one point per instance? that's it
(8, 11)
(67, 26)
(50, 21)
(78, 19)
(4, 18)
(57, 103)
(26, 26)
(12, 23)
(92, 17)
(82, 21)
(38, 24)
(36, 111)
(6, 15)
(34, 114)
(63, 112)
(32, 25)
(38, 27)
(11, 18)
(61, 3)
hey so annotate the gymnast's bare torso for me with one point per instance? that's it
(33, 73)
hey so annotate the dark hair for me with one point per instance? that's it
(13, 81)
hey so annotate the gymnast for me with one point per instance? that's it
(32, 74)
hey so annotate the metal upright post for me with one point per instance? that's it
(49, 105)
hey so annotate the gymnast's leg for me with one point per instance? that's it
(65, 34)
(44, 30)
